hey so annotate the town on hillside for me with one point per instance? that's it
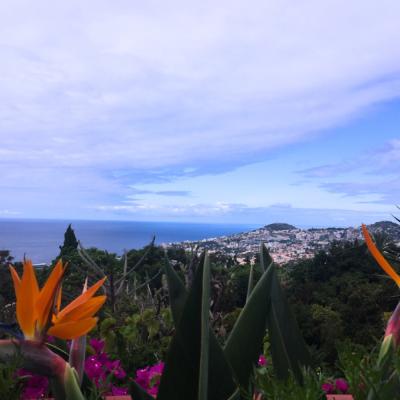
(285, 242)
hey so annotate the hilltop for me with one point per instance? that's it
(278, 226)
(286, 242)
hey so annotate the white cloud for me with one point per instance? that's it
(377, 175)
(133, 85)
(241, 213)
(9, 213)
(98, 95)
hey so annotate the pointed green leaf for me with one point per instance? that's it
(244, 344)
(251, 282)
(176, 291)
(205, 332)
(71, 384)
(288, 349)
(180, 378)
(265, 258)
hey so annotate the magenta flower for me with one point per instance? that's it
(34, 387)
(328, 388)
(342, 385)
(97, 345)
(118, 391)
(262, 361)
(149, 378)
(99, 368)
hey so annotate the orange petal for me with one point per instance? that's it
(83, 298)
(83, 311)
(47, 297)
(16, 280)
(379, 257)
(72, 330)
(27, 296)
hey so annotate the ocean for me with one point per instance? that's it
(39, 240)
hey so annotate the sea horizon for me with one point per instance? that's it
(39, 239)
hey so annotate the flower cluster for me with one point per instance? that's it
(262, 361)
(149, 378)
(34, 386)
(338, 386)
(101, 370)
(39, 309)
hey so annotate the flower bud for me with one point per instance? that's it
(393, 326)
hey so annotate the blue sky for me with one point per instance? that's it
(238, 112)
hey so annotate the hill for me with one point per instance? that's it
(278, 226)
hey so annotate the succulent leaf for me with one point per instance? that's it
(289, 351)
(249, 330)
(182, 369)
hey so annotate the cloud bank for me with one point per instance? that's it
(101, 96)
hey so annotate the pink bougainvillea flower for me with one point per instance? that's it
(119, 391)
(34, 386)
(342, 385)
(328, 388)
(149, 378)
(262, 361)
(100, 369)
(97, 345)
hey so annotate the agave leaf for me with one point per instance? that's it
(244, 344)
(251, 282)
(265, 258)
(220, 379)
(205, 331)
(180, 379)
(176, 290)
(288, 349)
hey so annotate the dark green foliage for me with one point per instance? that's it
(340, 294)
(10, 385)
(70, 242)
(140, 339)
(290, 389)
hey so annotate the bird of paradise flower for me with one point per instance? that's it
(39, 313)
(38, 310)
